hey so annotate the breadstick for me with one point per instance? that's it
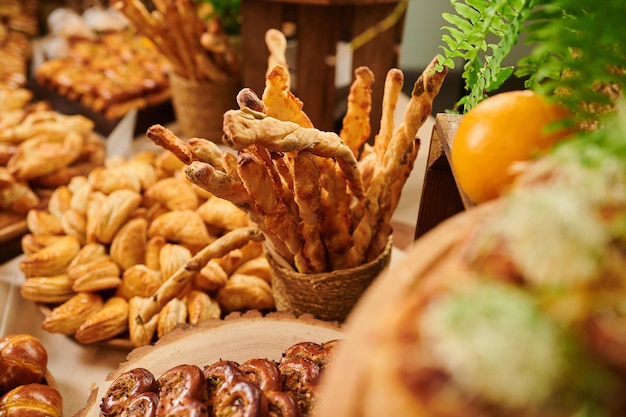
(229, 163)
(280, 102)
(389, 204)
(175, 284)
(393, 87)
(356, 127)
(396, 159)
(243, 129)
(207, 151)
(218, 183)
(336, 220)
(166, 139)
(225, 186)
(277, 46)
(275, 214)
(307, 195)
(248, 98)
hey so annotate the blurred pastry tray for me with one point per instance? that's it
(161, 113)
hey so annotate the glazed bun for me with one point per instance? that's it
(23, 360)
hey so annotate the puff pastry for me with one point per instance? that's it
(51, 260)
(201, 307)
(41, 156)
(67, 317)
(106, 323)
(60, 201)
(222, 214)
(181, 226)
(211, 277)
(50, 289)
(98, 275)
(41, 222)
(171, 315)
(141, 334)
(173, 193)
(116, 209)
(245, 292)
(128, 247)
(139, 281)
(171, 258)
(108, 180)
(32, 242)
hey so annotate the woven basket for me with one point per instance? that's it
(327, 296)
(199, 106)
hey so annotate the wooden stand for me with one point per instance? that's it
(320, 25)
(441, 197)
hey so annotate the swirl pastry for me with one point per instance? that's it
(179, 385)
(125, 388)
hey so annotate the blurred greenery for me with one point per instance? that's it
(227, 12)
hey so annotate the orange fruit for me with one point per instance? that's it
(501, 130)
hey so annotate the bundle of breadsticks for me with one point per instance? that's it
(198, 49)
(323, 200)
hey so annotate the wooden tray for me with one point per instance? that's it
(237, 338)
(161, 113)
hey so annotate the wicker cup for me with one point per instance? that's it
(326, 296)
(199, 106)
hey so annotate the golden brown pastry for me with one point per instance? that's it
(153, 250)
(171, 258)
(74, 223)
(103, 274)
(222, 214)
(245, 292)
(116, 209)
(200, 307)
(53, 259)
(17, 196)
(139, 281)
(211, 277)
(32, 242)
(50, 289)
(170, 316)
(67, 317)
(181, 226)
(108, 322)
(258, 267)
(128, 247)
(140, 333)
(60, 201)
(235, 258)
(43, 223)
(173, 193)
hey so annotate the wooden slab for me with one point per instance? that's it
(237, 338)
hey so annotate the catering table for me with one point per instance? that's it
(76, 367)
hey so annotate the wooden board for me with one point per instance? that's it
(237, 338)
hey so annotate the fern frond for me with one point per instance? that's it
(482, 33)
(578, 54)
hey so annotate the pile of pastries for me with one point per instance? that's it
(18, 23)
(108, 241)
(257, 387)
(40, 149)
(98, 60)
